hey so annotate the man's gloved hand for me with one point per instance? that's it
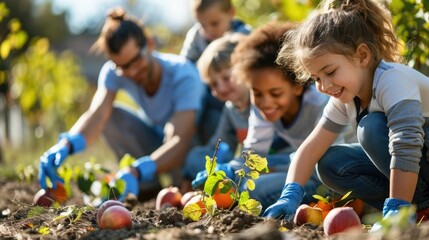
(391, 208)
(286, 205)
(52, 159)
(201, 177)
(131, 183)
(146, 169)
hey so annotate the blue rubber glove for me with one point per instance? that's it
(55, 156)
(146, 168)
(286, 205)
(391, 208)
(201, 177)
(222, 153)
(131, 184)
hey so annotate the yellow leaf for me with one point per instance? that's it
(253, 174)
(250, 184)
(192, 211)
(44, 230)
(5, 49)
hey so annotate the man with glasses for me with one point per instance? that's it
(167, 89)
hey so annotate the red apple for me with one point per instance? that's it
(341, 219)
(115, 217)
(46, 197)
(186, 197)
(43, 198)
(168, 197)
(104, 206)
(198, 199)
(306, 214)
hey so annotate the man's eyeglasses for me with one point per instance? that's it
(120, 69)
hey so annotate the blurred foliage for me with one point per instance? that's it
(49, 87)
(411, 21)
(12, 37)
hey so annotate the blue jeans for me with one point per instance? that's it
(364, 167)
(269, 186)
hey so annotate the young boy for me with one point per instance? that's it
(213, 18)
(215, 69)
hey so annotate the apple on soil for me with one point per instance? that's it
(46, 197)
(306, 214)
(197, 199)
(168, 197)
(113, 215)
(341, 219)
(186, 197)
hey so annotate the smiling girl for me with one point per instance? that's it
(349, 50)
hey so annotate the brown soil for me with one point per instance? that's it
(20, 219)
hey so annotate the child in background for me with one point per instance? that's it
(213, 18)
(350, 50)
(215, 69)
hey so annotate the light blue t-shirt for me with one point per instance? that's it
(181, 88)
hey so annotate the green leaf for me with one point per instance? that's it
(212, 181)
(120, 185)
(126, 161)
(210, 165)
(210, 205)
(84, 182)
(250, 184)
(36, 211)
(224, 186)
(244, 196)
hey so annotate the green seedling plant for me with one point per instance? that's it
(218, 179)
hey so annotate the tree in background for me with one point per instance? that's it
(11, 38)
(48, 87)
(411, 21)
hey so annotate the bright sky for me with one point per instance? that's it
(83, 13)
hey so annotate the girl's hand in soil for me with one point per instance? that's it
(286, 205)
(391, 208)
(55, 156)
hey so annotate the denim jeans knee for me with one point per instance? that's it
(373, 135)
(346, 167)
